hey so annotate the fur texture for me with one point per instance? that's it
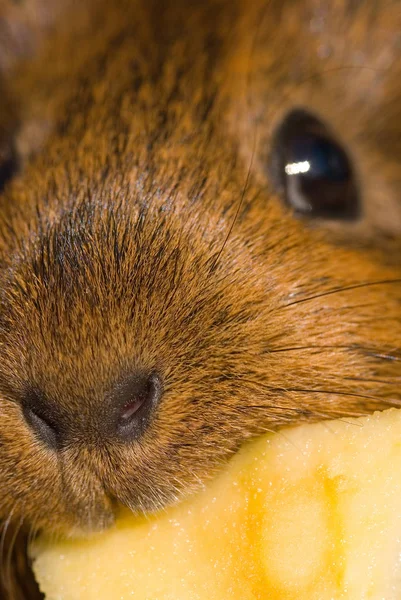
(144, 232)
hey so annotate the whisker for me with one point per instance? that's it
(267, 406)
(244, 190)
(342, 289)
(311, 391)
(373, 380)
(33, 530)
(281, 433)
(3, 541)
(8, 567)
(340, 419)
(306, 413)
(255, 137)
(353, 348)
(387, 356)
(316, 347)
(334, 392)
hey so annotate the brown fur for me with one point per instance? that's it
(144, 232)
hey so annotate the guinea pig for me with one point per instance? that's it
(199, 243)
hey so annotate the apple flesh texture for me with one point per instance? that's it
(312, 513)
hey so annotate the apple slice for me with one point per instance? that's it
(312, 513)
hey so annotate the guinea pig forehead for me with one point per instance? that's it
(352, 45)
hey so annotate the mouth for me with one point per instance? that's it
(97, 521)
(81, 520)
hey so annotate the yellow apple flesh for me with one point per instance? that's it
(312, 513)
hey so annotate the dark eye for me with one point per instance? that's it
(8, 165)
(313, 170)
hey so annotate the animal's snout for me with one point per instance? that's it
(122, 415)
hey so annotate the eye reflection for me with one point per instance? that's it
(297, 168)
(313, 169)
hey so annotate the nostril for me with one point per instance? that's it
(130, 410)
(42, 425)
(136, 399)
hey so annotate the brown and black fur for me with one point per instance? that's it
(143, 232)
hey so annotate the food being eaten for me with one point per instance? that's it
(311, 513)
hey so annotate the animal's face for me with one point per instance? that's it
(160, 301)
